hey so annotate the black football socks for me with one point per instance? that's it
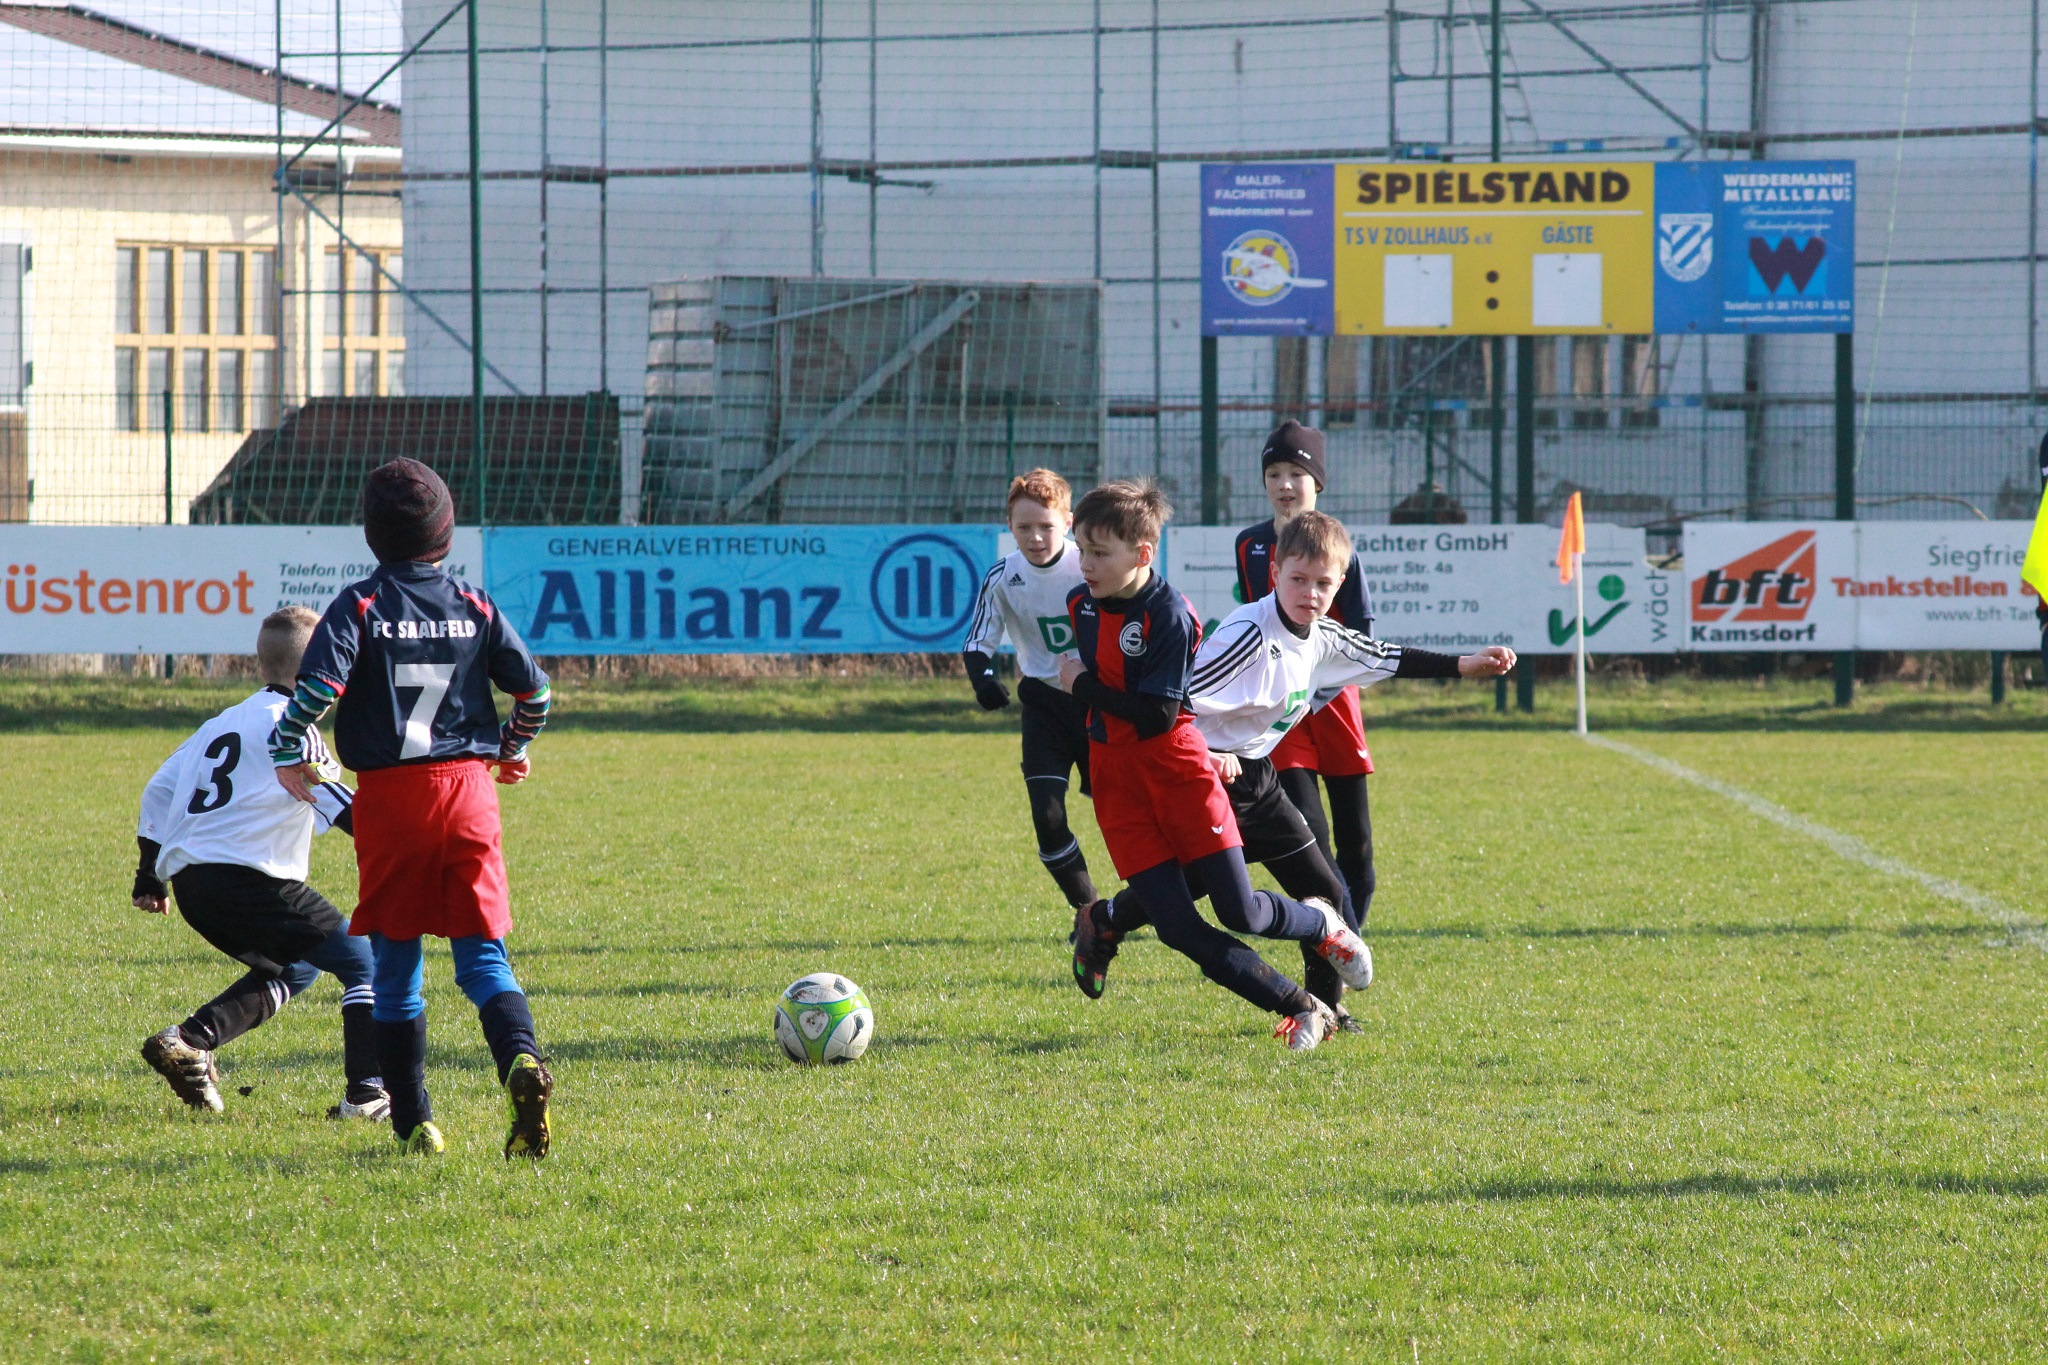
(402, 1057)
(508, 1029)
(252, 999)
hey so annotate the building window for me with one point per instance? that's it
(156, 386)
(364, 323)
(227, 309)
(127, 415)
(263, 293)
(1641, 373)
(216, 307)
(227, 390)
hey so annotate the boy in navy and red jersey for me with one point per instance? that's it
(1163, 811)
(1330, 743)
(408, 657)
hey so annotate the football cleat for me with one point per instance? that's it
(1301, 1032)
(1345, 1023)
(424, 1140)
(1341, 946)
(529, 1085)
(374, 1106)
(1094, 949)
(190, 1070)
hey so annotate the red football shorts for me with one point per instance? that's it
(1158, 801)
(428, 853)
(1330, 741)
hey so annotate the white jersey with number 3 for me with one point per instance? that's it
(218, 800)
(1029, 603)
(1254, 679)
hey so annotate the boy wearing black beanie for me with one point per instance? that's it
(1330, 743)
(408, 657)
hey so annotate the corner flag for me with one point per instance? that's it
(2035, 569)
(1573, 541)
(1571, 550)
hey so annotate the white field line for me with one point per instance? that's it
(2019, 926)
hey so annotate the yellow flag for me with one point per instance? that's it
(2035, 570)
(1573, 541)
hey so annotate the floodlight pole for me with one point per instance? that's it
(1845, 482)
(476, 280)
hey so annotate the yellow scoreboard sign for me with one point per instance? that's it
(1494, 249)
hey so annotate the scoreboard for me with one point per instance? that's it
(1527, 248)
(1493, 250)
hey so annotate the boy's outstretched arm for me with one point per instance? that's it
(529, 715)
(311, 699)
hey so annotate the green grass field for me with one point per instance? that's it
(1643, 1075)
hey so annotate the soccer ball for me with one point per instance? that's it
(824, 1018)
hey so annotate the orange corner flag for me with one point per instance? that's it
(1573, 541)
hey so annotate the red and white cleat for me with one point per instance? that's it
(1301, 1032)
(1341, 946)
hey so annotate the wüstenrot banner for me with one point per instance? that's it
(1831, 585)
(174, 589)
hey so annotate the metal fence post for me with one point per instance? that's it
(170, 517)
(1525, 481)
(476, 291)
(1212, 461)
(1845, 482)
(1997, 677)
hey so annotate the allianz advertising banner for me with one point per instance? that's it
(1456, 588)
(739, 589)
(1858, 585)
(175, 589)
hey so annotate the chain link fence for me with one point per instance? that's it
(257, 219)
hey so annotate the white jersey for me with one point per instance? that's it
(1254, 679)
(218, 800)
(1029, 603)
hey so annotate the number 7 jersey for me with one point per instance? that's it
(412, 652)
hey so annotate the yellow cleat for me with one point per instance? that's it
(529, 1085)
(425, 1140)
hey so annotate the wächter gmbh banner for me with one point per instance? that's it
(1456, 588)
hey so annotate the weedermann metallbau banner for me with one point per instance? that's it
(1792, 586)
(1528, 248)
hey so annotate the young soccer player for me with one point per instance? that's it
(234, 847)
(1025, 597)
(1163, 812)
(1253, 680)
(1330, 743)
(407, 657)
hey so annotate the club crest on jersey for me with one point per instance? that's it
(1131, 639)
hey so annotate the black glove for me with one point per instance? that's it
(981, 672)
(147, 883)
